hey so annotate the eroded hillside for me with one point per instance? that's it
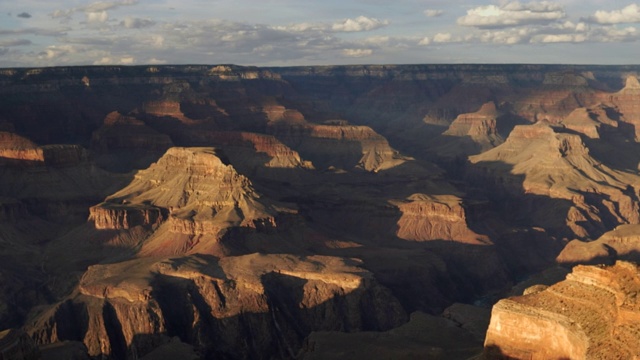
(239, 212)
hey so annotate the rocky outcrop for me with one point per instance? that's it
(592, 314)
(15, 147)
(341, 146)
(622, 243)
(189, 191)
(116, 216)
(625, 101)
(425, 217)
(538, 164)
(126, 309)
(469, 134)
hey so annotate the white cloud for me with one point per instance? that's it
(357, 52)
(561, 38)
(513, 14)
(97, 17)
(361, 23)
(628, 14)
(424, 41)
(433, 13)
(442, 38)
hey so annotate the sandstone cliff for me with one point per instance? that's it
(592, 314)
(273, 301)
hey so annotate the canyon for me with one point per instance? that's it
(222, 211)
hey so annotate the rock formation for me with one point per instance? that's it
(470, 134)
(621, 243)
(216, 305)
(263, 188)
(537, 163)
(590, 315)
(189, 191)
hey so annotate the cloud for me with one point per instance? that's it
(361, 23)
(561, 38)
(433, 13)
(97, 17)
(513, 14)
(424, 41)
(628, 14)
(37, 31)
(136, 23)
(442, 38)
(106, 5)
(357, 52)
(95, 11)
(24, 15)
(17, 42)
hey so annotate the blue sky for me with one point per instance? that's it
(296, 32)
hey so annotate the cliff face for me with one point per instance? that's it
(430, 218)
(189, 191)
(537, 163)
(590, 315)
(274, 300)
(337, 160)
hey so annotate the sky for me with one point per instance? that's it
(37, 33)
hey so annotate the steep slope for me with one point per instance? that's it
(254, 306)
(622, 243)
(557, 183)
(469, 134)
(592, 314)
(190, 197)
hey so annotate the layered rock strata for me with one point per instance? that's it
(593, 314)
(218, 305)
(552, 171)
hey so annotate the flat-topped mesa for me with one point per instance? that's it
(217, 303)
(15, 149)
(469, 134)
(593, 314)
(341, 146)
(424, 217)
(168, 108)
(64, 154)
(193, 188)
